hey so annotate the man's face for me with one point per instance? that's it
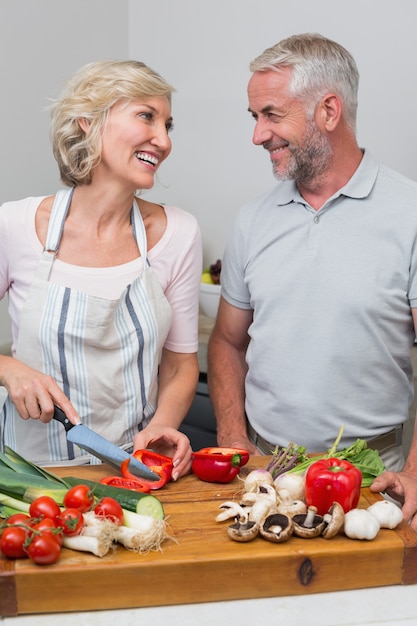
(298, 150)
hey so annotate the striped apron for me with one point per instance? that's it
(104, 354)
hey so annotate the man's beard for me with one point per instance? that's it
(308, 160)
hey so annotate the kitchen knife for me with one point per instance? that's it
(104, 450)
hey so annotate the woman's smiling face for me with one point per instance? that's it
(135, 140)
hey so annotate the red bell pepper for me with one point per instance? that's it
(157, 463)
(332, 480)
(218, 465)
(134, 484)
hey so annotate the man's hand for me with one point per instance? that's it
(401, 486)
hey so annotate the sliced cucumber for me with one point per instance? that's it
(149, 505)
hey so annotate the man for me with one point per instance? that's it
(319, 282)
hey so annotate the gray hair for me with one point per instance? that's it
(319, 65)
(89, 95)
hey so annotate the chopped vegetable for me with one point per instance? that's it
(26, 481)
(135, 484)
(158, 463)
(127, 498)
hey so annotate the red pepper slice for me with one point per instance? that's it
(218, 465)
(134, 484)
(158, 463)
(332, 480)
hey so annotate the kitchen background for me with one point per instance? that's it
(203, 49)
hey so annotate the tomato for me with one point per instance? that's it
(19, 519)
(109, 508)
(79, 497)
(71, 521)
(12, 542)
(48, 526)
(44, 506)
(43, 549)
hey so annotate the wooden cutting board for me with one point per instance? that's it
(200, 563)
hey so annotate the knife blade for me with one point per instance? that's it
(100, 447)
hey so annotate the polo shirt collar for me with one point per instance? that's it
(359, 186)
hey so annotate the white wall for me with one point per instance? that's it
(204, 49)
(42, 43)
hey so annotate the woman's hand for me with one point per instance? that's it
(33, 393)
(168, 441)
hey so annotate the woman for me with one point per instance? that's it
(102, 285)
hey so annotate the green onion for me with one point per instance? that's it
(19, 505)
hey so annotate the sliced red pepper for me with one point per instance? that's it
(157, 463)
(218, 465)
(332, 480)
(134, 484)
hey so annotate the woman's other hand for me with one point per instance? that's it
(167, 441)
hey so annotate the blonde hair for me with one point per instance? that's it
(89, 95)
(319, 65)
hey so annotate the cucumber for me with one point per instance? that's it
(150, 506)
(127, 498)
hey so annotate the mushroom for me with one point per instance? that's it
(288, 506)
(334, 521)
(263, 492)
(277, 528)
(230, 510)
(261, 509)
(243, 530)
(309, 524)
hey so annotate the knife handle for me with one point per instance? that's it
(60, 416)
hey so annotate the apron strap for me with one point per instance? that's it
(57, 219)
(139, 232)
(59, 212)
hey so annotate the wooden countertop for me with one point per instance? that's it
(200, 563)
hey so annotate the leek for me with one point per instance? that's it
(10, 458)
(14, 503)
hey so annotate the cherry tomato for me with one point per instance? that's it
(12, 542)
(71, 521)
(48, 526)
(19, 519)
(43, 549)
(109, 508)
(44, 506)
(79, 497)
